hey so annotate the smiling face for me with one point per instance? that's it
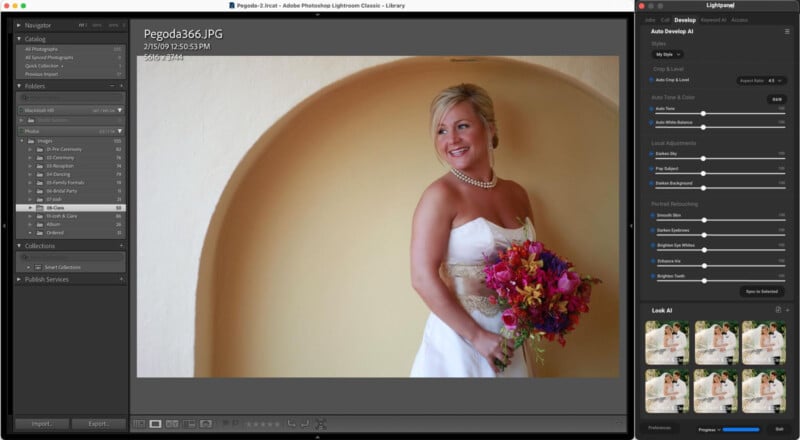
(462, 138)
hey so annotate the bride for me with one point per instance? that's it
(757, 395)
(709, 395)
(661, 396)
(661, 347)
(710, 346)
(462, 218)
(757, 346)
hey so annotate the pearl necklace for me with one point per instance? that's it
(479, 183)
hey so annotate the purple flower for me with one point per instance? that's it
(552, 263)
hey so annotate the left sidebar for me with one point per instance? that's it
(69, 304)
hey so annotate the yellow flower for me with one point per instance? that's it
(532, 265)
(531, 294)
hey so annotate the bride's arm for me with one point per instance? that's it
(430, 234)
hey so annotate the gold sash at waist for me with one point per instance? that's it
(479, 303)
(468, 283)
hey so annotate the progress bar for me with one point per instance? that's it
(741, 429)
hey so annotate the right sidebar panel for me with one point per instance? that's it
(717, 228)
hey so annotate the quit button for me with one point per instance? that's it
(780, 430)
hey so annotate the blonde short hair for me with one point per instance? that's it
(476, 95)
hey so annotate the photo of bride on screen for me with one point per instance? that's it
(299, 263)
(763, 391)
(716, 342)
(715, 391)
(666, 343)
(763, 343)
(666, 391)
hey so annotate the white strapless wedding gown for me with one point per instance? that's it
(443, 352)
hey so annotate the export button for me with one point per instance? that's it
(99, 424)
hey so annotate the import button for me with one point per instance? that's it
(41, 424)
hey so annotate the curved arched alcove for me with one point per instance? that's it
(305, 271)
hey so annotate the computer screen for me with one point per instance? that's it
(396, 220)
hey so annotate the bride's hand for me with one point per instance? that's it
(493, 346)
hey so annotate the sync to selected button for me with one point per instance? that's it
(761, 291)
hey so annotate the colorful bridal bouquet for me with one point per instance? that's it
(542, 294)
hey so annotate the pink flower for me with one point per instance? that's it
(502, 273)
(509, 319)
(535, 248)
(568, 282)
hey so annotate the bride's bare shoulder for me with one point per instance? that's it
(520, 196)
(441, 190)
(517, 190)
(438, 199)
